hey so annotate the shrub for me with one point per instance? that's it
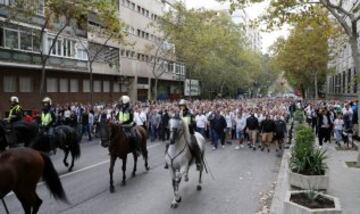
(299, 116)
(305, 159)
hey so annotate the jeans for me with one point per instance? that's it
(214, 138)
(86, 128)
(153, 133)
(201, 131)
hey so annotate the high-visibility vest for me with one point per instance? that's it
(187, 119)
(124, 116)
(14, 109)
(46, 119)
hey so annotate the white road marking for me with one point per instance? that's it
(85, 168)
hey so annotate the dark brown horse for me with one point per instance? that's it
(21, 170)
(114, 137)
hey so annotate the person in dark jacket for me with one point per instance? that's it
(164, 126)
(85, 124)
(324, 125)
(218, 125)
(252, 127)
(280, 132)
(267, 129)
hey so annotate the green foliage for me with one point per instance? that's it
(299, 116)
(305, 159)
(214, 50)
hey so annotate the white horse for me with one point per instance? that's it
(179, 156)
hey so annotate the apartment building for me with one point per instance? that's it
(119, 69)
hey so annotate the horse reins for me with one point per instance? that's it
(177, 155)
(5, 206)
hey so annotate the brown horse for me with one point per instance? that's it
(114, 137)
(21, 170)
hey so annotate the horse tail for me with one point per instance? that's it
(75, 149)
(52, 180)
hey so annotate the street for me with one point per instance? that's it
(239, 177)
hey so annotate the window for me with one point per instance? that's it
(1, 37)
(81, 52)
(74, 85)
(9, 84)
(52, 85)
(26, 84)
(26, 41)
(116, 87)
(106, 86)
(97, 86)
(64, 85)
(11, 39)
(86, 86)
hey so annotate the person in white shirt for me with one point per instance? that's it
(137, 119)
(338, 127)
(240, 123)
(201, 123)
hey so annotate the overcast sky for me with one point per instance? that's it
(267, 38)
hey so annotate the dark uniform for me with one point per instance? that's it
(126, 117)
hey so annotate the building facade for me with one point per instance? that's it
(252, 33)
(118, 69)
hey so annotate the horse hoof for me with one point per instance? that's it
(186, 179)
(179, 200)
(198, 188)
(123, 183)
(133, 174)
(112, 189)
(66, 164)
(174, 206)
(70, 169)
(147, 168)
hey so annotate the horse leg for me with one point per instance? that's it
(111, 172)
(145, 155)
(72, 162)
(24, 202)
(200, 177)
(135, 163)
(176, 179)
(187, 172)
(66, 152)
(37, 204)
(123, 182)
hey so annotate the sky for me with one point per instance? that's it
(254, 11)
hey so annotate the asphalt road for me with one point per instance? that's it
(240, 176)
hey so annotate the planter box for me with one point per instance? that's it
(293, 208)
(315, 182)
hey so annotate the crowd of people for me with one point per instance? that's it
(255, 122)
(336, 120)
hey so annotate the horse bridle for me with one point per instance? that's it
(178, 154)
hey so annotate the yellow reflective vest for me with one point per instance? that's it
(13, 110)
(46, 119)
(123, 116)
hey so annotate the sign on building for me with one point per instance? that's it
(192, 88)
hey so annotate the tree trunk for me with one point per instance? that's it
(316, 86)
(355, 56)
(156, 89)
(91, 84)
(42, 83)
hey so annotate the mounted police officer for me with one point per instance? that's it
(48, 120)
(126, 118)
(189, 119)
(15, 115)
(15, 112)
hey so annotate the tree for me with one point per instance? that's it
(60, 15)
(213, 49)
(161, 52)
(110, 29)
(304, 55)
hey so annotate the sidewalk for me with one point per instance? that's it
(344, 181)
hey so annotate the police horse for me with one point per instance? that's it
(179, 157)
